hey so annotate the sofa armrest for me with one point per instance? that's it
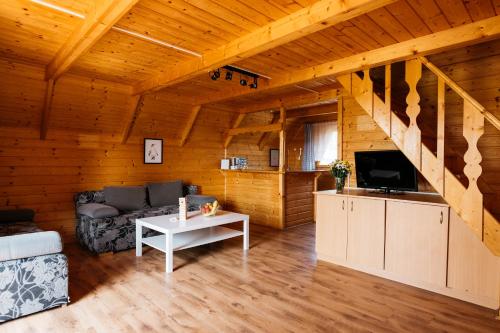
(29, 245)
(16, 215)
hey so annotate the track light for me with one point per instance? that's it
(215, 75)
(243, 82)
(229, 75)
(254, 84)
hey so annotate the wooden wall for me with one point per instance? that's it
(254, 193)
(477, 70)
(83, 150)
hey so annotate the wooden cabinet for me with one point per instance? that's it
(331, 231)
(366, 232)
(412, 238)
(417, 242)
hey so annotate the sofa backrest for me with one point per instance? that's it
(98, 196)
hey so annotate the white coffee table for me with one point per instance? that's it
(197, 230)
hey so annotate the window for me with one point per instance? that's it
(320, 144)
(324, 137)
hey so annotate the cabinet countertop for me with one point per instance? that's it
(427, 198)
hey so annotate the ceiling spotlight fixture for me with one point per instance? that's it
(243, 82)
(229, 75)
(215, 75)
(254, 84)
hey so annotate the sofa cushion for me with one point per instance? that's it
(16, 215)
(198, 199)
(29, 245)
(125, 198)
(97, 210)
(164, 194)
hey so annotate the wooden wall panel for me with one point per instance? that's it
(83, 150)
(256, 194)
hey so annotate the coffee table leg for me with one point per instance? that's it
(169, 253)
(246, 236)
(138, 239)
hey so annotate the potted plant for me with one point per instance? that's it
(340, 170)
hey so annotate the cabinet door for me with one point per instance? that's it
(417, 242)
(366, 231)
(331, 226)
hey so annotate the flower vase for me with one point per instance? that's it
(339, 184)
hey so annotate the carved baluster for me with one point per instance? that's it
(364, 92)
(440, 135)
(388, 110)
(412, 139)
(471, 208)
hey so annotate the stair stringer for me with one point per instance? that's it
(447, 185)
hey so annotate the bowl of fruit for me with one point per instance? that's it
(210, 209)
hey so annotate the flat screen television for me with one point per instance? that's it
(387, 170)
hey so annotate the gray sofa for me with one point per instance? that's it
(105, 219)
(33, 271)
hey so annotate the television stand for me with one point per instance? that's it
(387, 191)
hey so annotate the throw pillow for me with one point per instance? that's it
(165, 194)
(97, 211)
(125, 198)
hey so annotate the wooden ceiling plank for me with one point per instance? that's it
(387, 22)
(405, 15)
(318, 16)
(431, 14)
(455, 12)
(138, 104)
(189, 126)
(103, 15)
(479, 10)
(236, 123)
(47, 108)
(472, 33)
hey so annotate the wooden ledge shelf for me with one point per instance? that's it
(421, 197)
(252, 171)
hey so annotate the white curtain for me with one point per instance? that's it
(308, 156)
(324, 138)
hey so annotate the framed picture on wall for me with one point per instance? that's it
(153, 151)
(274, 157)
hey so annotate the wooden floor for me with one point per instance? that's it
(278, 287)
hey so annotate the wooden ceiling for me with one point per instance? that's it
(33, 33)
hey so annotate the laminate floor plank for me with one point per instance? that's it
(278, 287)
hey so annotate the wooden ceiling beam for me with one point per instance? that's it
(137, 106)
(189, 126)
(255, 129)
(47, 108)
(292, 102)
(319, 16)
(469, 34)
(322, 110)
(236, 123)
(101, 17)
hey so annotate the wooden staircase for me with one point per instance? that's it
(467, 201)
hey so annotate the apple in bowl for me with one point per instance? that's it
(209, 209)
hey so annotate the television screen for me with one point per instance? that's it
(389, 170)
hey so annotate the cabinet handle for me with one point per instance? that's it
(352, 205)
(441, 219)
(343, 204)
